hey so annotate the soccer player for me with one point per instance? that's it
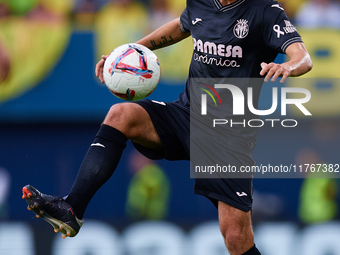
(246, 35)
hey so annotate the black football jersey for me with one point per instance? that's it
(232, 41)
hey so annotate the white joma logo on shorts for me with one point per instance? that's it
(243, 194)
(196, 20)
(158, 102)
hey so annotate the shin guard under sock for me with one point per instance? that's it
(97, 167)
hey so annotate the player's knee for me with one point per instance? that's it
(236, 238)
(124, 117)
(116, 113)
(233, 239)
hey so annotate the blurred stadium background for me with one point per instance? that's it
(51, 106)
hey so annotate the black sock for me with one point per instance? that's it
(253, 251)
(97, 167)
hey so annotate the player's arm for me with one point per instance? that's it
(166, 35)
(298, 64)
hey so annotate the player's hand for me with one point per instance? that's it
(99, 68)
(274, 71)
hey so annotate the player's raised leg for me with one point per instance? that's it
(123, 121)
(237, 230)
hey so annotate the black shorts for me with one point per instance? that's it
(172, 123)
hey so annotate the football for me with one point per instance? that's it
(131, 72)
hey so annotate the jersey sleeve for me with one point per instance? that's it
(185, 22)
(278, 31)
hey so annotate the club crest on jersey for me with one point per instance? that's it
(241, 29)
